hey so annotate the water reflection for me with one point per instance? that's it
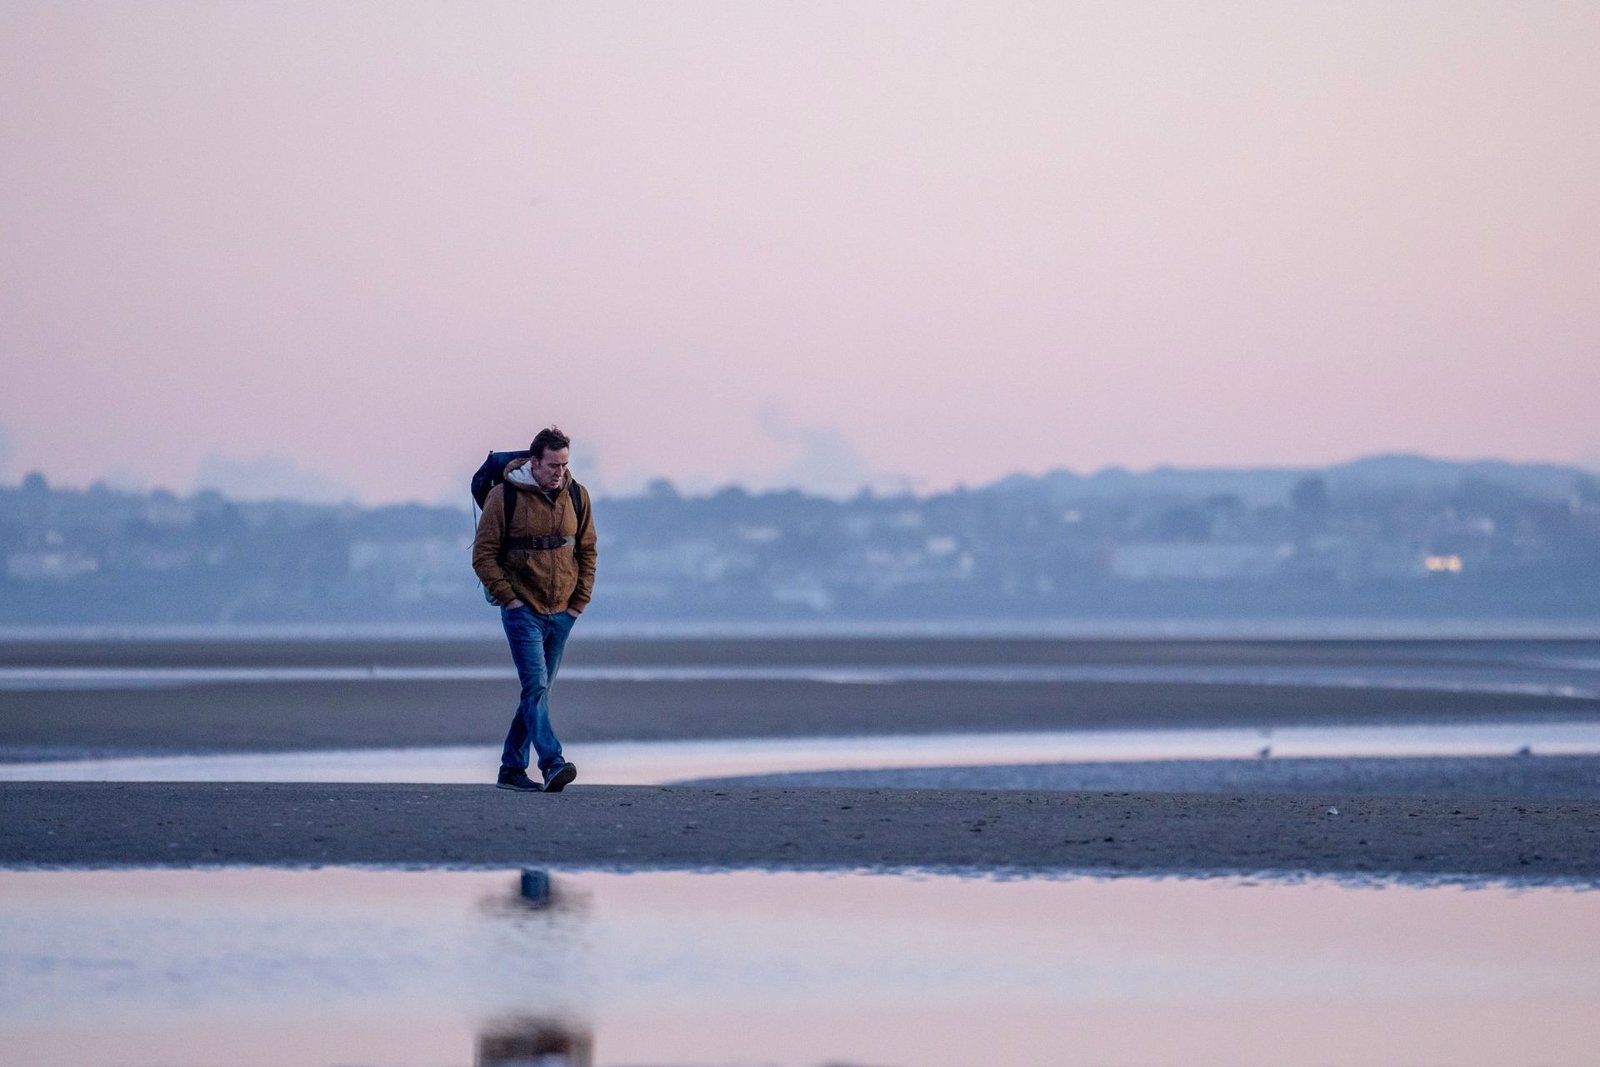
(533, 1042)
(535, 889)
(536, 894)
(660, 762)
(417, 969)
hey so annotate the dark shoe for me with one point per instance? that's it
(559, 777)
(516, 778)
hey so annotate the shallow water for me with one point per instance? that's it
(427, 968)
(659, 762)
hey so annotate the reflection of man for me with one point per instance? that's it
(534, 1041)
(535, 553)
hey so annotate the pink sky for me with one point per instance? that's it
(358, 245)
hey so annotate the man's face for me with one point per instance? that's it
(550, 469)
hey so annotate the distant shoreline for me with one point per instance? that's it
(1156, 629)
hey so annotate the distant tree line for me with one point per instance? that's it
(1390, 536)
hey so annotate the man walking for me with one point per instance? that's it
(535, 553)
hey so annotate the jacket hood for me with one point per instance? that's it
(519, 474)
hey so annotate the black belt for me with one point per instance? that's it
(546, 541)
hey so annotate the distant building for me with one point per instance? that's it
(54, 565)
(422, 568)
(1208, 561)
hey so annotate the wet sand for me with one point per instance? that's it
(323, 715)
(156, 824)
(46, 723)
(1508, 819)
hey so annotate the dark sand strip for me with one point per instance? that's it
(95, 824)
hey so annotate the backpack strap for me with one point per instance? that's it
(555, 541)
(508, 508)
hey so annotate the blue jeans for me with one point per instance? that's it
(536, 644)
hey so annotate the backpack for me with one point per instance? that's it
(491, 474)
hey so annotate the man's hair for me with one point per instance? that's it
(546, 439)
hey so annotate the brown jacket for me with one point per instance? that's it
(548, 580)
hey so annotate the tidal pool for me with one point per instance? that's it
(662, 762)
(164, 968)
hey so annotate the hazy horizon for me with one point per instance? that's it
(345, 251)
(307, 488)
